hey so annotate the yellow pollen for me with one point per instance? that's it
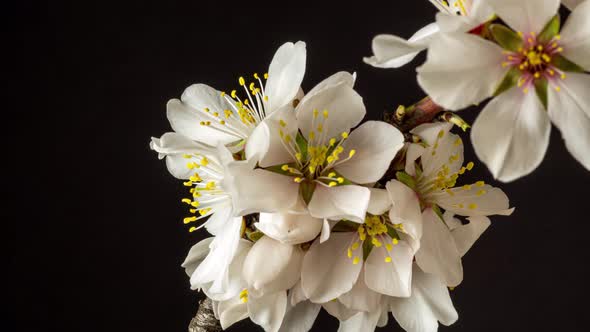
(473, 206)
(331, 174)
(195, 178)
(210, 185)
(388, 246)
(557, 89)
(186, 200)
(251, 86)
(395, 241)
(470, 165)
(222, 93)
(265, 98)
(537, 75)
(204, 211)
(546, 58)
(457, 142)
(195, 204)
(450, 192)
(344, 135)
(332, 141)
(285, 167)
(387, 259)
(355, 246)
(332, 184)
(256, 76)
(481, 192)
(188, 184)
(480, 183)
(189, 219)
(192, 229)
(351, 153)
(349, 253)
(340, 180)
(192, 210)
(233, 93)
(242, 81)
(467, 187)
(298, 179)
(356, 260)
(441, 134)
(325, 114)
(562, 76)
(265, 76)
(315, 113)
(298, 156)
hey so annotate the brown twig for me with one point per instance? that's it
(204, 320)
(407, 118)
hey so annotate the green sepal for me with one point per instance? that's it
(507, 38)
(392, 232)
(406, 179)
(367, 247)
(541, 90)
(302, 144)
(564, 64)
(346, 226)
(509, 80)
(550, 30)
(254, 236)
(306, 189)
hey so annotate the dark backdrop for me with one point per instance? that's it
(98, 238)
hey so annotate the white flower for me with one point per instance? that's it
(360, 263)
(260, 276)
(210, 188)
(310, 152)
(290, 228)
(511, 134)
(459, 15)
(433, 180)
(209, 116)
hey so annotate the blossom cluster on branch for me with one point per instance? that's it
(311, 208)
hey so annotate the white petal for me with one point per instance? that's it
(338, 78)
(344, 105)
(195, 256)
(569, 109)
(269, 310)
(219, 220)
(438, 254)
(451, 221)
(340, 202)
(520, 146)
(235, 283)
(379, 202)
(363, 321)
(384, 318)
(285, 75)
(575, 36)
(571, 4)
(232, 311)
(327, 271)
(474, 200)
(185, 116)
(466, 235)
(289, 228)
(392, 278)
(525, 16)
(472, 62)
(265, 142)
(429, 132)
(439, 153)
(413, 152)
(174, 146)
(327, 229)
(360, 297)
(406, 208)
(296, 294)
(215, 266)
(338, 310)
(272, 266)
(301, 317)
(259, 190)
(375, 144)
(430, 302)
(393, 52)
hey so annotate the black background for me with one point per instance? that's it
(97, 237)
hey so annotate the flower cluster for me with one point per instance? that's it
(307, 213)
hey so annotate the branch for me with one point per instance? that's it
(204, 320)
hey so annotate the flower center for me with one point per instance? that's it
(375, 227)
(316, 157)
(243, 115)
(533, 60)
(206, 191)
